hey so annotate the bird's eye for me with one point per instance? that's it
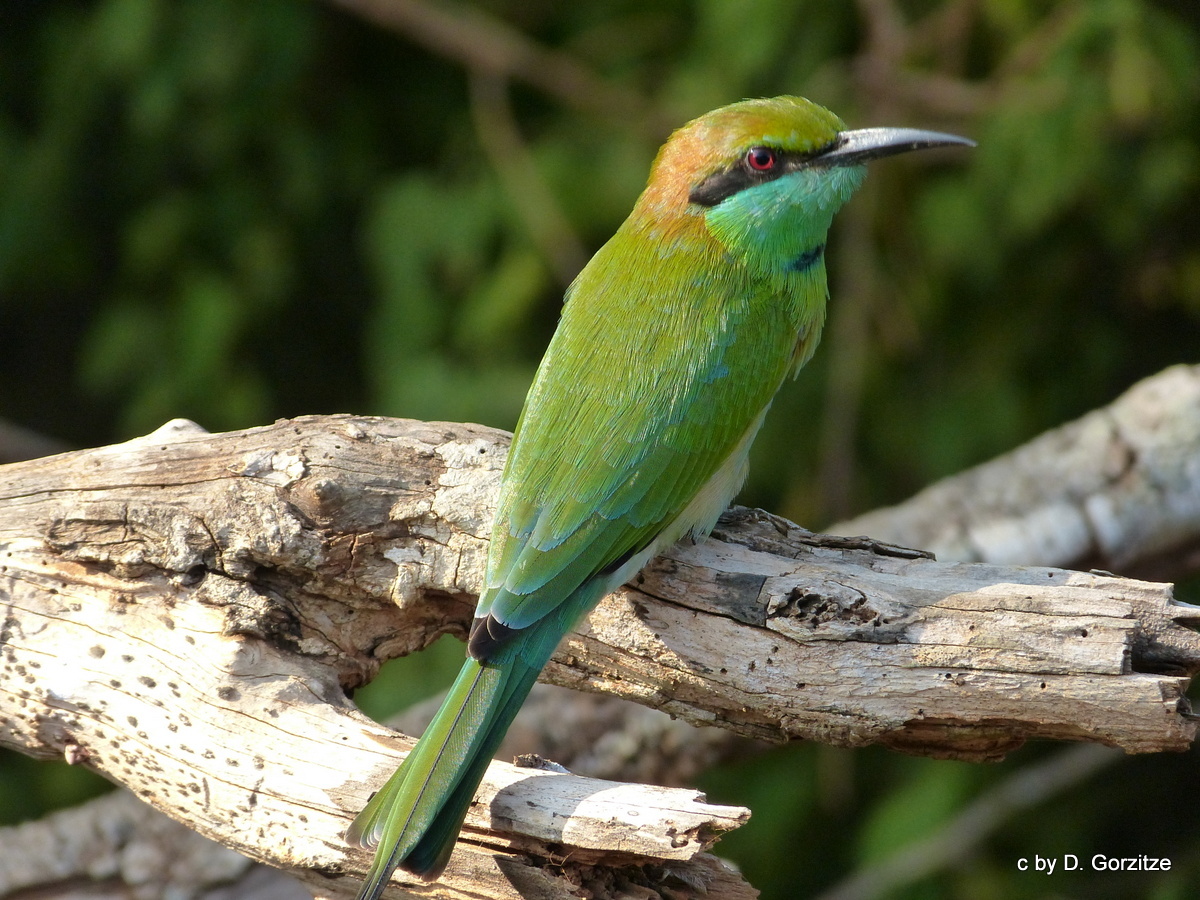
(761, 159)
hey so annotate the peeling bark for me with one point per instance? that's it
(185, 612)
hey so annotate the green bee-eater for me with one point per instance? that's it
(672, 343)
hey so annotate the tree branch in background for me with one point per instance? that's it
(116, 848)
(1028, 788)
(1118, 489)
(18, 443)
(497, 132)
(485, 44)
(885, 73)
(604, 737)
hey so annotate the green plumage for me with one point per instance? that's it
(613, 461)
(672, 344)
(416, 816)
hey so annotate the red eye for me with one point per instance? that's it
(761, 159)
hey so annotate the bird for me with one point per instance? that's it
(670, 347)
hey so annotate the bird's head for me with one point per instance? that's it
(766, 176)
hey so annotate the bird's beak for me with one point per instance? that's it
(853, 148)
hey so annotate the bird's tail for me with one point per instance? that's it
(414, 819)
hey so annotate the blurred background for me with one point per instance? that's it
(235, 212)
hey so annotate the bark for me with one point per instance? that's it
(1118, 489)
(117, 847)
(185, 612)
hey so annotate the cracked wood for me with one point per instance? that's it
(185, 612)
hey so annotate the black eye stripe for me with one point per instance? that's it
(743, 174)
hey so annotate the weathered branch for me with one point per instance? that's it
(1118, 489)
(184, 612)
(117, 847)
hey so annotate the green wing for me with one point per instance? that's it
(653, 378)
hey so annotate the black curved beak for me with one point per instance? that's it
(853, 148)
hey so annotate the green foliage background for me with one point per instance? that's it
(237, 211)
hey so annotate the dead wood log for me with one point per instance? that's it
(185, 612)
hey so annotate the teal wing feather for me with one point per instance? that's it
(634, 409)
